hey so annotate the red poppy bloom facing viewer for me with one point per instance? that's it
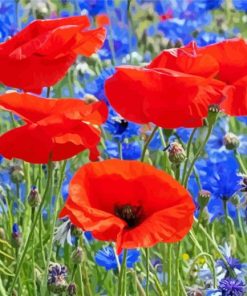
(129, 202)
(55, 128)
(41, 54)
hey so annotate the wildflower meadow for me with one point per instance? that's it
(123, 147)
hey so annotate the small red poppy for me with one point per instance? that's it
(129, 202)
(167, 98)
(41, 54)
(231, 57)
(55, 129)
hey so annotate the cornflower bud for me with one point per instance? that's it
(231, 141)
(71, 291)
(16, 174)
(34, 198)
(2, 234)
(16, 239)
(77, 255)
(176, 153)
(57, 278)
(203, 198)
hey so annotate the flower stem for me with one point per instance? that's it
(169, 247)
(28, 241)
(188, 154)
(199, 151)
(122, 276)
(148, 142)
(44, 283)
(147, 271)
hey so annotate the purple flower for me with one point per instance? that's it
(232, 287)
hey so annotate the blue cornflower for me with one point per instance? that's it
(220, 178)
(205, 38)
(8, 23)
(209, 4)
(15, 229)
(106, 258)
(222, 139)
(96, 86)
(119, 128)
(242, 119)
(185, 21)
(94, 7)
(130, 151)
(232, 287)
(240, 4)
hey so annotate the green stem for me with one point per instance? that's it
(199, 151)
(147, 271)
(169, 247)
(188, 154)
(145, 147)
(177, 268)
(122, 275)
(47, 190)
(50, 243)
(204, 254)
(241, 164)
(215, 245)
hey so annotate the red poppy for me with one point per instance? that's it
(167, 98)
(187, 59)
(41, 54)
(55, 128)
(129, 202)
(231, 57)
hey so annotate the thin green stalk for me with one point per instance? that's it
(169, 247)
(122, 275)
(50, 243)
(188, 154)
(27, 244)
(33, 257)
(177, 268)
(147, 271)
(145, 147)
(215, 245)
(241, 164)
(199, 151)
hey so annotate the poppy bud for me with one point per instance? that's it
(76, 231)
(77, 255)
(235, 200)
(203, 198)
(71, 291)
(2, 233)
(213, 111)
(204, 217)
(16, 239)
(231, 141)
(16, 174)
(57, 278)
(176, 153)
(34, 198)
(89, 99)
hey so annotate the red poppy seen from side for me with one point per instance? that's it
(41, 54)
(54, 128)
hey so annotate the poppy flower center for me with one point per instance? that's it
(130, 214)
